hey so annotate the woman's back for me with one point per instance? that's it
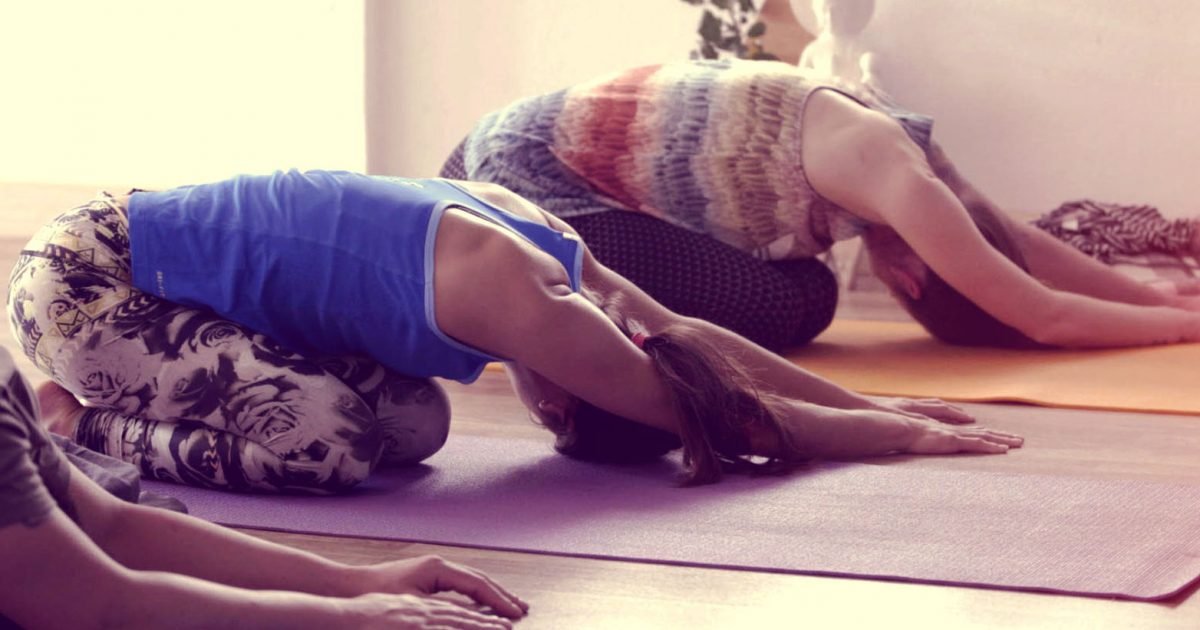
(326, 262)
(713, 147)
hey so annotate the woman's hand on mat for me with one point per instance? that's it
(819, 431)
(427, 575)
(924, 409)
(939, 439)
(386, 611)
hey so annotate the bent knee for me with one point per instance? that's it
(69, 275)
(414, 419)
(793, 308)
(330, 468)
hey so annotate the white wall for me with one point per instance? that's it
(436, 66)
(1045, 101)
(159, 92)
(1039, 101)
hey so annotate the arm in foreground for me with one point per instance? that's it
(132, 567)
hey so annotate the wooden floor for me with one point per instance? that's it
(581, 593)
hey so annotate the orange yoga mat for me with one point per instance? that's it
(901, 359)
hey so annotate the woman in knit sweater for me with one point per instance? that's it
(711, 183)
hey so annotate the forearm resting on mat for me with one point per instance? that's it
(772, 372)
(824, 432)
(1049, 259)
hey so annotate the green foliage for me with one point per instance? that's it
(729, 28)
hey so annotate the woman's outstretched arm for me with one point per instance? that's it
(123, 565)
(68, 580)
(864, 162)
(777, 374)
(75, 556)
(1050, 260)
(150, 539)
(515, 304)
(772, 372)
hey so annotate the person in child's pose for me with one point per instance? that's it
(202, 339)
(698, 180)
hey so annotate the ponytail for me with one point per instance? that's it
(714, 398)
(718, 406)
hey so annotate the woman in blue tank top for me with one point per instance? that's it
(279, 332)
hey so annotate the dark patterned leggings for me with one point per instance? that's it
(192, 398)
(776, 304)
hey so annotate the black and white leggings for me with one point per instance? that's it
(192, 398)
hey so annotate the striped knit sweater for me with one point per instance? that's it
(710, 146)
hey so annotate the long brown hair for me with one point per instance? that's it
(716, 400)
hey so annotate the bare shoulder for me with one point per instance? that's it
(528, 269)
(482, 270)
(853, 155)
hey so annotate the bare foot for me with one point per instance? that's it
(60, 410)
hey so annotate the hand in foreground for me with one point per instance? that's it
(404, 612)
(924, 409)
(427, 575)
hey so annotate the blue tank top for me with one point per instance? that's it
(326, 262)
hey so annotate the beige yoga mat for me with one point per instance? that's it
(901, 359)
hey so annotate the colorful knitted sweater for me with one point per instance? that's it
(710, 146)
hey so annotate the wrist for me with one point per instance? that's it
(1174, 300)
(884, 432)
(327, 578)
(875, 403)
(848, 399)
(911, 431)
(113, 607)
(352, 581)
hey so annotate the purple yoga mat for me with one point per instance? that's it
(1127, 539)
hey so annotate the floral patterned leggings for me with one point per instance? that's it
(192, 398)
